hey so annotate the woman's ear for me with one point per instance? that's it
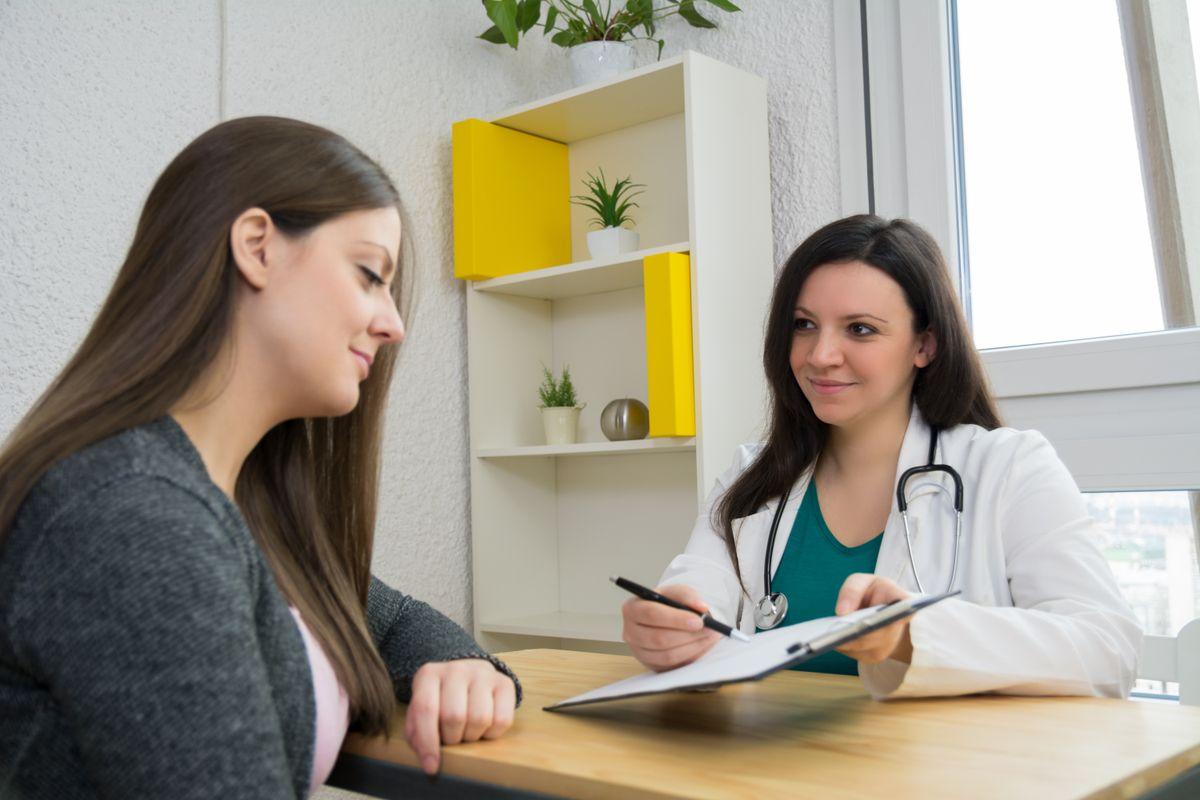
(926, 350)
(248, 239)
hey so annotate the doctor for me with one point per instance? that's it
(872, 372)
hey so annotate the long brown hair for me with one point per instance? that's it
(951, 391)
(308, 489)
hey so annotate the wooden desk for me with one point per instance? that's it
(796, 735)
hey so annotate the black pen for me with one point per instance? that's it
(655, 597)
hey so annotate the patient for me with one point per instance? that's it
(187, 514)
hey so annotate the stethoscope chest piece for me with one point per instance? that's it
(770, 610)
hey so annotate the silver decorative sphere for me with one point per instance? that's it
(625, 419)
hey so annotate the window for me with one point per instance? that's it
(1149, 541)
(1052, 147)
(1056, 226)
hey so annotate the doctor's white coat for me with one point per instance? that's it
(1039, 613)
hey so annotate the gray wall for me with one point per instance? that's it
(97, 97)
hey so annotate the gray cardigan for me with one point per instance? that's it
(145, 648)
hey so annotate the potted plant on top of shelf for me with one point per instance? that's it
(612, 207)
(560, 409)
(596, 40)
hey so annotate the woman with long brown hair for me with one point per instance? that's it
(187, 513)
(873, 380)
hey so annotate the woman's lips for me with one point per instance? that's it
(828, 387)
(363, 359)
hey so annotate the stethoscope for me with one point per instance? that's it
(770, 610)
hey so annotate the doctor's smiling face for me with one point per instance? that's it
(854, 351)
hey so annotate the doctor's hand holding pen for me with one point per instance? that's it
(662, 637)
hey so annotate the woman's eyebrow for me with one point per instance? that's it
(858, 315)
(388, 266)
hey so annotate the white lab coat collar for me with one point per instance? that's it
(914, 452)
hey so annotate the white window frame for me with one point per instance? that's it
(1124, 411)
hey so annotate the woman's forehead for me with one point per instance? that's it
(850, 283)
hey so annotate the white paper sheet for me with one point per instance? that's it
(729, 661)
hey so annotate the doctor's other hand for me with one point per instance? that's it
(457, 701)
(863, 591)
(662, 637)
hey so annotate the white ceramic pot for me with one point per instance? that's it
(561, 424)
(611, 242)
(596, 61)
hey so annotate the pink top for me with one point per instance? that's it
(333, 707)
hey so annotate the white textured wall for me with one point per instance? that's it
(393, 76)
(96, 97)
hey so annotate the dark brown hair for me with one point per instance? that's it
(308, 489)
(951, 391)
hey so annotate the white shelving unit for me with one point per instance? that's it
(549, 525)
(580, 278)
(661, 445)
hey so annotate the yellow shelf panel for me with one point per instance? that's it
(669, 369)
(511, 204)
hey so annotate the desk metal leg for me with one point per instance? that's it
(395, 782)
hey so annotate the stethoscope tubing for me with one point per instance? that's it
(776, 601)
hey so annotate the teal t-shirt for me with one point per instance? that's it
(811, 573)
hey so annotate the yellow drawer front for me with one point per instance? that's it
(511, 204)
(668, 287)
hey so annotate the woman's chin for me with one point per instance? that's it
(336, 405)
(830, 413)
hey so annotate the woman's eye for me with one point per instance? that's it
(372, 275)
(802, 324)
(859, 329)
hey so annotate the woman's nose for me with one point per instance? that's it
(388, 324)
(825, 351)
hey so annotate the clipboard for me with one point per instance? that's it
(767, 652)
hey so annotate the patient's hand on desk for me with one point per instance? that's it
(662, 637)
(457, 701)
(863, 591)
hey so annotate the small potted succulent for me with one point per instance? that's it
(560, 409)
(595, 33)
(612, 205)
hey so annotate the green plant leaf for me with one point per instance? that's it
(592, 11)
(724, 5)
(567, 388)
(504, 14)
(566, 38)
(609, 204)
(493, 35)
(528, 12)
(557, 394)
(687, 10)
(551, 15)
